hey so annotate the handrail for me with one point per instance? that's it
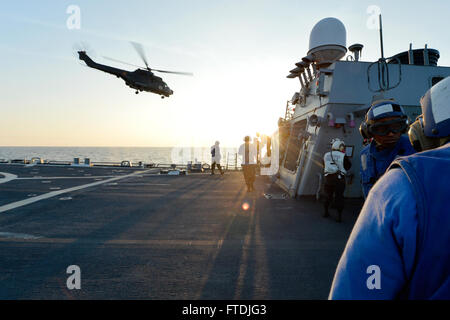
(134, 164)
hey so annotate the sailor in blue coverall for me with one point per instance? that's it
(399, 246)
(385, 122)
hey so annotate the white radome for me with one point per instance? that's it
(328, 40)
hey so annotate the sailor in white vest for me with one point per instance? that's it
(215, 158)
(248, 152)
(336, 164)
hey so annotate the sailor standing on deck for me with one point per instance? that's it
(385, 122)
(336, 164)
(215, 158)
(399, 247)
(257, 146)
(247, 151)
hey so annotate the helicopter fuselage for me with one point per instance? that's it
(140, 79)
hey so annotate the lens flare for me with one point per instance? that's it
(245, 206)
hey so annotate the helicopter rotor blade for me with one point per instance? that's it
(175, 72)
(130, 64)
(140, 50)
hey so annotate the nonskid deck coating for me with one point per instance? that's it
(167, 237)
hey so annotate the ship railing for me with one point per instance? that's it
(230, 163)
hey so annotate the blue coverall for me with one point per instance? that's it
(404, 231)
(374, 163)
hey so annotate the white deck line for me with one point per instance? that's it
(67, 177)
(8, 177)
(52, 194)
(11, 235)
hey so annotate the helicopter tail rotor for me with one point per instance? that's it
(83, 47)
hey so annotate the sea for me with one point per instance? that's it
(161, 155)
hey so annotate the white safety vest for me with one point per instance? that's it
(334, 162)
(217, 156)
(251, 153)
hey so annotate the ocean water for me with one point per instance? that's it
(117, 154)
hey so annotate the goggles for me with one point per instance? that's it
(383, 128)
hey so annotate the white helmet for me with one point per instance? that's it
(432, 128)
(336, 144)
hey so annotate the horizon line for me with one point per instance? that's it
(108, 147)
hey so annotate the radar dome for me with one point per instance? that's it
(327, 41)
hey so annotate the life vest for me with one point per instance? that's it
(334, 163)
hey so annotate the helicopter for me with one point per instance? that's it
(141, 79)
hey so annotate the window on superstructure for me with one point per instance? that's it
(435, 80)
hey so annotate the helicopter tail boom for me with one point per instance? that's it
(83, 56)
(90, 63)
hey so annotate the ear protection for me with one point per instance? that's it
(363, 130)
(419, 140)
(381, 110)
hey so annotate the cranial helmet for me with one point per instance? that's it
(380, 110)
(432, 128)
(336, 144)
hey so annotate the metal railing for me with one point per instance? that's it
(231, 163)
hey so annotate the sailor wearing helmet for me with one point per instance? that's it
(399, 247)
(336, 165)
(385, 123)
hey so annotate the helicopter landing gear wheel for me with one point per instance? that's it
(162, 97)
(137, 92)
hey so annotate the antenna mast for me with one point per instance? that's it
(381, 38)
(383, 69)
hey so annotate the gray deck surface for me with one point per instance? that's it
(149, 236)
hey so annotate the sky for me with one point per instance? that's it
(239, 51)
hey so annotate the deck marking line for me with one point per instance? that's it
(52, 194)
(12, 235)
(68, 177)
(8, 177)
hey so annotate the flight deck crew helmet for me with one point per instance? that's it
(432, 128)
(381, 110)
(336, 144)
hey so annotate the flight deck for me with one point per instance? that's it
(138, 234)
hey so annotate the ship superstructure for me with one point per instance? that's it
(333, 98)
